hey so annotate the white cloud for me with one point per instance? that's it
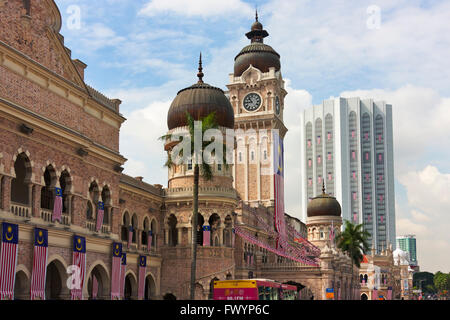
(295, 102)
(203, 8)
(427, 216)
(139, 140)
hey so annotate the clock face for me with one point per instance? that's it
(277, 105)
(252, 102)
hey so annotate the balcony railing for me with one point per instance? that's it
(46, 215)
(20, 210)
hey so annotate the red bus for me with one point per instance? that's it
(254, 289)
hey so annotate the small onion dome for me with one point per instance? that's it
(199, 100)
(324, 205)
(257, 54)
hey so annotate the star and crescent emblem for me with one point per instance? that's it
(40, 238)
(9, 234)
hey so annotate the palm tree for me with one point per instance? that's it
(354, 241)
(208, 122)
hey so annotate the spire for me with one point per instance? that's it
(200, 73)
(323, 186)
(256, 15)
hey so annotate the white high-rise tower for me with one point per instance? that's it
(349, 143)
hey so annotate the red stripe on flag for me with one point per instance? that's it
(39, 273)
(141, 288)
(57, 209)
(8, 261)
(99, 220)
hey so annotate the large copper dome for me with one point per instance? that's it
(323, 205)
(257, 53)
(199, 100)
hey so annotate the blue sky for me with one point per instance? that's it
(144, 51)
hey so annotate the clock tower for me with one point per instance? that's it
(256, 92)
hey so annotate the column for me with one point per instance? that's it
(6, 193)
(166, 236)
(179, 236)
(36, 200)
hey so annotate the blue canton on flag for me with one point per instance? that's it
(40, 237)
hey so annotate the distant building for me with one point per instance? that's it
(348, 144)
(408, 243)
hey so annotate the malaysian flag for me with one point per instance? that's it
(309, 162)
(142, 271)
(206, 235)
(79, 260)
(278, 166)
(39, 272)
(332, 235)
(58, 206)
(389, 294)
(130, 235)
(329, 135)
(100, 214)
(123, 269)
(318, 139)
(375, 294)
(115, 278)
(309, 143)
(8, 260)
(94, 287)
(149, 240)
(319, 159)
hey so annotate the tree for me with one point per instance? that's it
(442, 281)
(353, 241)
(425, 281)
(207, 123)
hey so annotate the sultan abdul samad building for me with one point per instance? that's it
(62, 186)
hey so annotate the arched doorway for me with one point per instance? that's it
(364, 297)
(169, 296)
(150, 288)
(55, 282)
(21, 286)
(130, 289)
(98, 285)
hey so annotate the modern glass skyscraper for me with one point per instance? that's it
(408, 243)
(348, 144)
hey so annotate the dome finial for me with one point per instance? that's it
(323, 187)
(256, 15)
(200, 73)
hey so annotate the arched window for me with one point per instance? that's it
(27, 7)
(201, 222)
(145, 231)
(89, 211)
(154, 230)
(19, 184)
(134, 223)
(125, 225)
(173, 237)
(106, 198)
(65, 182)
(47, 192)
(94, 195)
